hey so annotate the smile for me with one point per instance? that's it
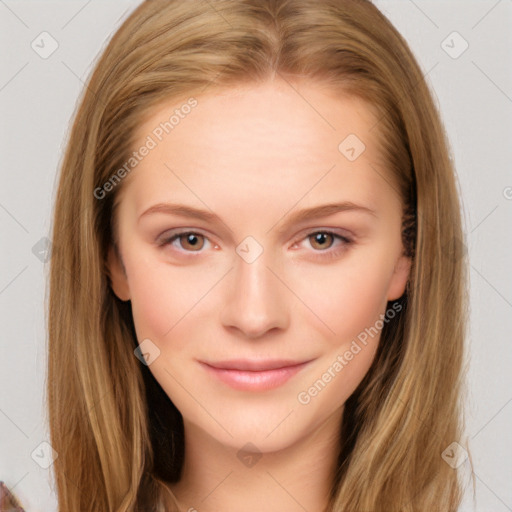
(247, 375)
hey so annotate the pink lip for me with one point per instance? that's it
(248, 375)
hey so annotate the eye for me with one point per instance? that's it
(189, 241)
(324, 243)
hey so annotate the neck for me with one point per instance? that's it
(296, 478)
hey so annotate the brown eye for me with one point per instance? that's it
(321, 240)
(191, 241)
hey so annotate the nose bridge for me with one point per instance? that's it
(255, 302)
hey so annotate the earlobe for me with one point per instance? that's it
(117, 275)
(399, 278)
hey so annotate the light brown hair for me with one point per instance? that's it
(118, 436)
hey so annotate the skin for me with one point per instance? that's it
(255, 155)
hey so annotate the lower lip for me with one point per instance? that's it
(255, 380)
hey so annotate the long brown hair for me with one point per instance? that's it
(118, 435)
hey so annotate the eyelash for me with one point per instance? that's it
(328, 253)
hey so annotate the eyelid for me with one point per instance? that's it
(167, 237)
(342, 233)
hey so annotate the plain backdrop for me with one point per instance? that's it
(464, 48)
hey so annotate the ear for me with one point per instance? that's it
(117, 275)
(399, 278)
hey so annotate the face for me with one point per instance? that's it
(260, 319)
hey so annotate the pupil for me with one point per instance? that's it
(320, 237)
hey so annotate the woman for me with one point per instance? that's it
(258, 286)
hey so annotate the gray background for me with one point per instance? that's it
(37, 100)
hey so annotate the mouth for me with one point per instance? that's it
(252, 375)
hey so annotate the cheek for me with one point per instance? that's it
(154, 303)
(350, 300)
(346, 299)
(352, 308)
(163, 298)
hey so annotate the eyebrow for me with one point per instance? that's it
(306, 214)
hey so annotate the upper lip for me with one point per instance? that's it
(253, 365)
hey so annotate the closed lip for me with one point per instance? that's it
(254, 375)
(252, 365)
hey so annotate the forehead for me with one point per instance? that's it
(273, 136)
(305, 109)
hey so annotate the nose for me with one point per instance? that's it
(256, 300)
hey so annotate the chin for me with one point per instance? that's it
(266, 425)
